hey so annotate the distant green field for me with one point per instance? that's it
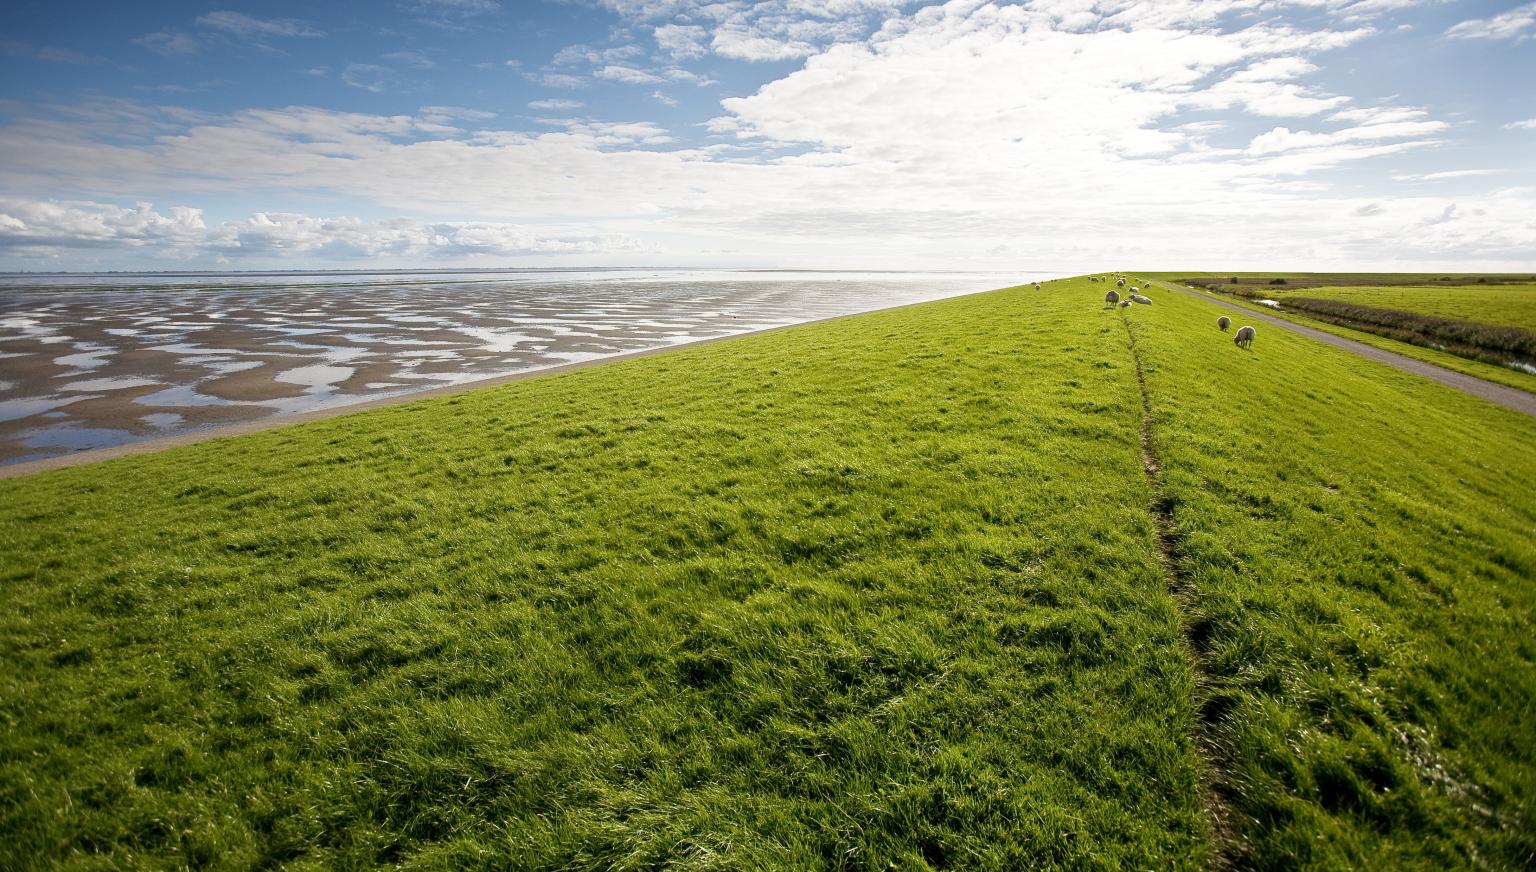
(893, 590)
(1513, 305)
(1294, 280)
(1504, 375)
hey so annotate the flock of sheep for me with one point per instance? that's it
(1243, 339)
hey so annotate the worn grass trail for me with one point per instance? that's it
(867, 592)
(1176, 576)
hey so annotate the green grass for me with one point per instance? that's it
(1361, 586)
(1294, 280)
(884, 590)
(1511, 305)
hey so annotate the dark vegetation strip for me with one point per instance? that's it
(1170, 560)
(1486, 342)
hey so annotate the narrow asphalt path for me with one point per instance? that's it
(1508, 397)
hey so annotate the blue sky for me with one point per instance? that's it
(1070, 134)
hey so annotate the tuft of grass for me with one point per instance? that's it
(889, 590)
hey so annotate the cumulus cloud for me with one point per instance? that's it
(1065, 128)
(628, 75)
(39, 228)
(681, 41)
(1518, 23)
(753, 30)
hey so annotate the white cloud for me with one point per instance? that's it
(753, 30)
(612, 133)
(1528, 124)
(444, 114)
(460, 8)
(555, 105)
(1443, 175)
(628, 75)
(369, 77)
(663, 99)
(1283, 139)
(586, 54)
(37, 228)
(556, 80)
(957, 130)
(1518, 23)
(413, 59)
(170, 43)
(240, 24)
(681, 41)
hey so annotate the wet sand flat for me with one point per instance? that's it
(92, 362)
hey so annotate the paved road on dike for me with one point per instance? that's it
(1508, 397)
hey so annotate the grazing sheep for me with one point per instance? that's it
(1223, 322)
(1138, 298)
(1135, 290)
(1120, 283)
(1124, 303)
(1110, 299)
(1244, 337)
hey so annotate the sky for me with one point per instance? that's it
(1071, 135)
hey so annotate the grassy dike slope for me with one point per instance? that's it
(889, 589)
(1356, 553)
(880, 590)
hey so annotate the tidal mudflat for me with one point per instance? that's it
(93, 361)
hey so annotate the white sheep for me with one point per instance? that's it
(1244, 337)
(1135, 290)
(1124, 303)
(1138, 298)
(1223, 322)
(1120, 283)
(1110, 299)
